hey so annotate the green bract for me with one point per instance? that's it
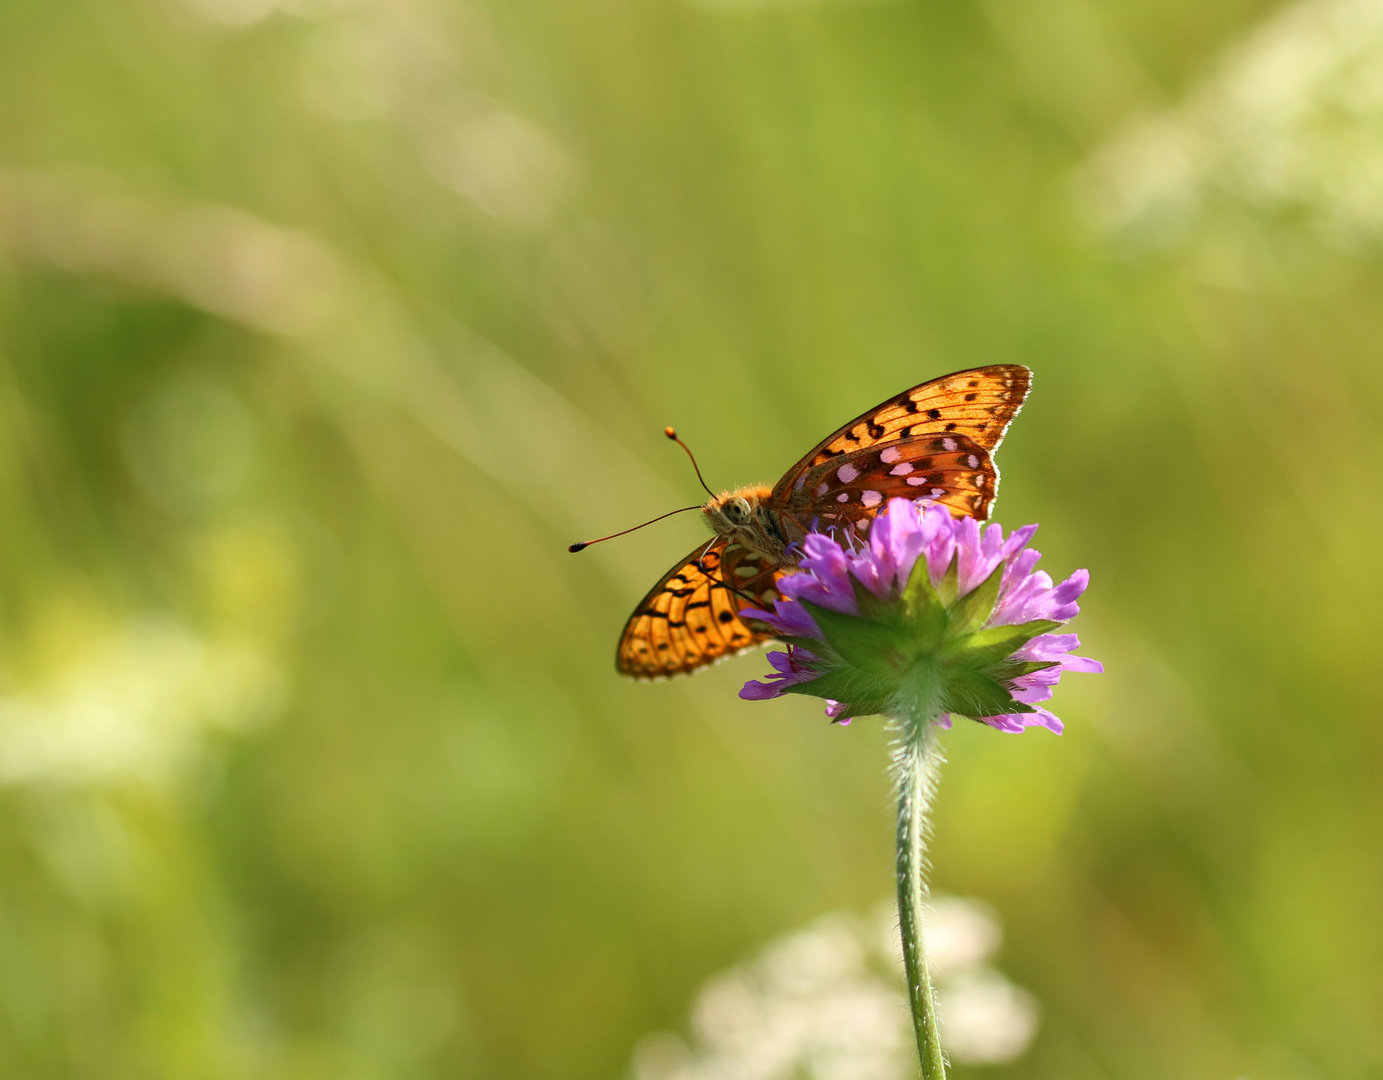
(930, 639)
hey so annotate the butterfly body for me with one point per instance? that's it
(934, 441)
(747, 517)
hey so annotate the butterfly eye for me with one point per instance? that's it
(737, 510)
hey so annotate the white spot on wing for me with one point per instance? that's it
(871, 498)
(973, 461)
(890, 455)
(901, 470)
(917, 481)
(938, 492)
(847, 473)
(800, 481)
(950, 444)
(844, 496)
(822, 488)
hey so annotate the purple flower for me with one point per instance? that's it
(931, 605)
(790, 669)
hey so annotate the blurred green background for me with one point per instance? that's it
(325, 325)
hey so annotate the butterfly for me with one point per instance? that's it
(934, 441)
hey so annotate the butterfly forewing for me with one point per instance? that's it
(951, 470)
(691, 618)
(978, 404)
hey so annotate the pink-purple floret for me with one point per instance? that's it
(905, 532)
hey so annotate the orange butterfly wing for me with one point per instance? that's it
(977, 404)
(949, 469)
(691, 618)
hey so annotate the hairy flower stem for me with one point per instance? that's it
(918, 760)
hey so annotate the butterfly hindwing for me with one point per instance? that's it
(978, 404)
(691, 618)
(951, 470)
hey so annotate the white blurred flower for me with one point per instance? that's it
(132, 705)
(984, 1018)
(961, 933)
(828, 1003)
(1289, 124)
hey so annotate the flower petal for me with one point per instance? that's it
(831, 570)
(754, 690)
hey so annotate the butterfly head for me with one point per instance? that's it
(738, 511)
(743, 516)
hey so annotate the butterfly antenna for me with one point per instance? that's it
(573, 548)
(672, 434)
